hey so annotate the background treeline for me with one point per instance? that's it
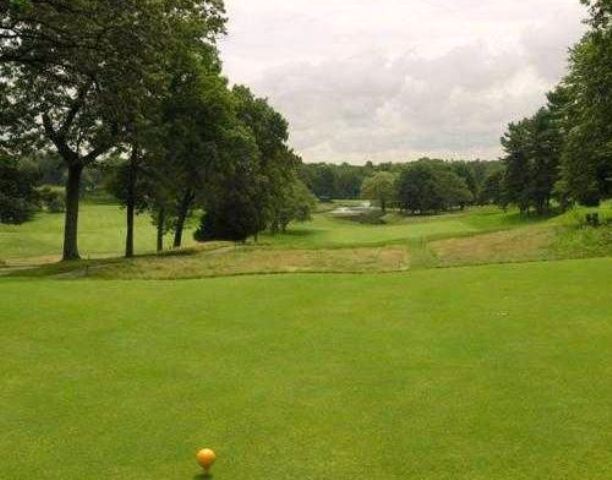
(131, 94)
(460, 182)
(563, 154)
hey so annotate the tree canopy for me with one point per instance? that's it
(431, 186)
(564, 151)
(79, 76)
(18, 196)
(380, 188)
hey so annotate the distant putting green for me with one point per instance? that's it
(496, 372)
(326, 231)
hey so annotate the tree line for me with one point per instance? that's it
(431, 185)
(138, 87)
(562, 155)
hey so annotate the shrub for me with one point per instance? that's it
(53, 201)
(229, 223)
(17, 194)
(15, 210)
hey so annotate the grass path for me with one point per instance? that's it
(496, 372)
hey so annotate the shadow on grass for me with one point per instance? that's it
(203, 476)
(83, 267)
(296, 232)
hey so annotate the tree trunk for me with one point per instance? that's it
(182, 217)
(383, 205)
(131, 204)
(73, 187)
(161, 219)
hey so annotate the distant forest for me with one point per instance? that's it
(344, 181)
(327, 181)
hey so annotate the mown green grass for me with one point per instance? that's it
(496, 372)
(330, 232)
(327, 231)
(101, 233)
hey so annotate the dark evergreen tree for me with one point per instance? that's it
(18, 197)
(517, 185)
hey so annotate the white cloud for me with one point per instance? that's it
(396, 79)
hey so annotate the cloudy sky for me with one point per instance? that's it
(393, 80)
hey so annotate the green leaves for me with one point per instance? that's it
(19, 5)
(431, 186)
(601, 12)
(86, 77)
(565, 148)
(380, 187)
(587, 159)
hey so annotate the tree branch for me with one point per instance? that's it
(69, 155)
(74, 110)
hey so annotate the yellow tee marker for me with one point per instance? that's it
(206, 458)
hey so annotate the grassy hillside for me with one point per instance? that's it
(325, 245)
(101, 233)
(497, 372)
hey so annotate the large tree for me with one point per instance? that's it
(233, 206)
(277, 163)
(295, 203)
(517, 179)
(431, 186)
(198, 116)
(75, 73)
(492, 190)
(565, 150)
(256, 186)
(587, 153)
(379, 188)
(546, 156)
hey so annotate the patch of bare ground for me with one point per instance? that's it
(520, 245)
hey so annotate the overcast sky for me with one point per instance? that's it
(394, 80)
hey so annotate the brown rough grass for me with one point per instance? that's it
(532, 243)
(239, 260)
(523, 244)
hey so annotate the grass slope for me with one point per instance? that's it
(496, 372)
(325, 245)
(101, 233)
